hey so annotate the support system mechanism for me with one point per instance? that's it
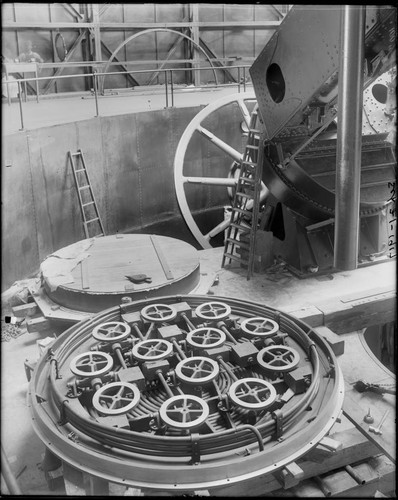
(295, 81)
(184, 393)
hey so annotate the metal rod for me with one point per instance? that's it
(20, 105)
(8, 476)
(167, 94)
(349, 137)
(171, 88)
(96, 94)
(244, 79)
(239, 80)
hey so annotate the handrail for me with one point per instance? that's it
(168, 75)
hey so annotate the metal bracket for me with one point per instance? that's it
(29, 368)
(277, 415)
(195, 439)
(62, 413)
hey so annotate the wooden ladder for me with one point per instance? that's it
(91, 219)
(241, 232)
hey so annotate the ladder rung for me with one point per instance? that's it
(80, 170)
(250, 163)
(251, 146)
(245, 195)
(248, 180)
(76, 154)
(235, 257)
(242, 211)
(239, 226)
(238, 243)
(84, 187)
(92, 220)
(254, 131)
(89, 203)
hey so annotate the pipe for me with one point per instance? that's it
(8, 476)
(349, 137)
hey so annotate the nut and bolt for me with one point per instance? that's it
(368, 418)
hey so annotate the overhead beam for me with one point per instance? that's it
(277, 11)
(133, 26)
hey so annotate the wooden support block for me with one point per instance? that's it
(25, 310)
(290, 475)
(39, 325)
(326, 448)
(73, 480)
(334, 340)
(310, 314)
(133, 492)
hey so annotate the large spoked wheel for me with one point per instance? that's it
(206, 338)
(252, 393)
(245, 101)
(197, 370)
(152, 350)
(260, 327)
(91, 364)
(278, 358)
(116, 398)
(112, 331)
(184, 412)
(213, 311)
(158, 313)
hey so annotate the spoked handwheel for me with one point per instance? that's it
(152, 350)
(259, 327)
(278, 358)
(182, 180)
(116, 398)
(158, 313)
(112, 331)
(213, 311)
(184, 412)
(252, 393)
(91, 364)
(206, 338)
(197, 370)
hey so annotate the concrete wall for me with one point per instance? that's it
(130, 163)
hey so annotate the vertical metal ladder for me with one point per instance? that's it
(91, 219)
(241, 233)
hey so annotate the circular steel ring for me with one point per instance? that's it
(91, 364)
(184, 412)
(258, 326)
(252, 393)
(158, 313)
(116, 398)
(213, 311)
(112, 331)
(197, 370)
(278, 358)
(206, 337)
(152, 350)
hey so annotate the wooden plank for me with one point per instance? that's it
(25, 310)
(162, 258)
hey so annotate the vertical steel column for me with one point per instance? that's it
(349, 137)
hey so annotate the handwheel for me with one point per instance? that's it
(259, 327)
(116, 398)
(182, 181)
(112, 331)
(206, 337)
(213, 310)
(91, 364)
(184, 412)
(197, 370)
(252, 393)
(157, 313)
(278, 358)
(152, 350)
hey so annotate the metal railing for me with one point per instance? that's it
(169, 85)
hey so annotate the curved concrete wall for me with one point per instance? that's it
(130, 163)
